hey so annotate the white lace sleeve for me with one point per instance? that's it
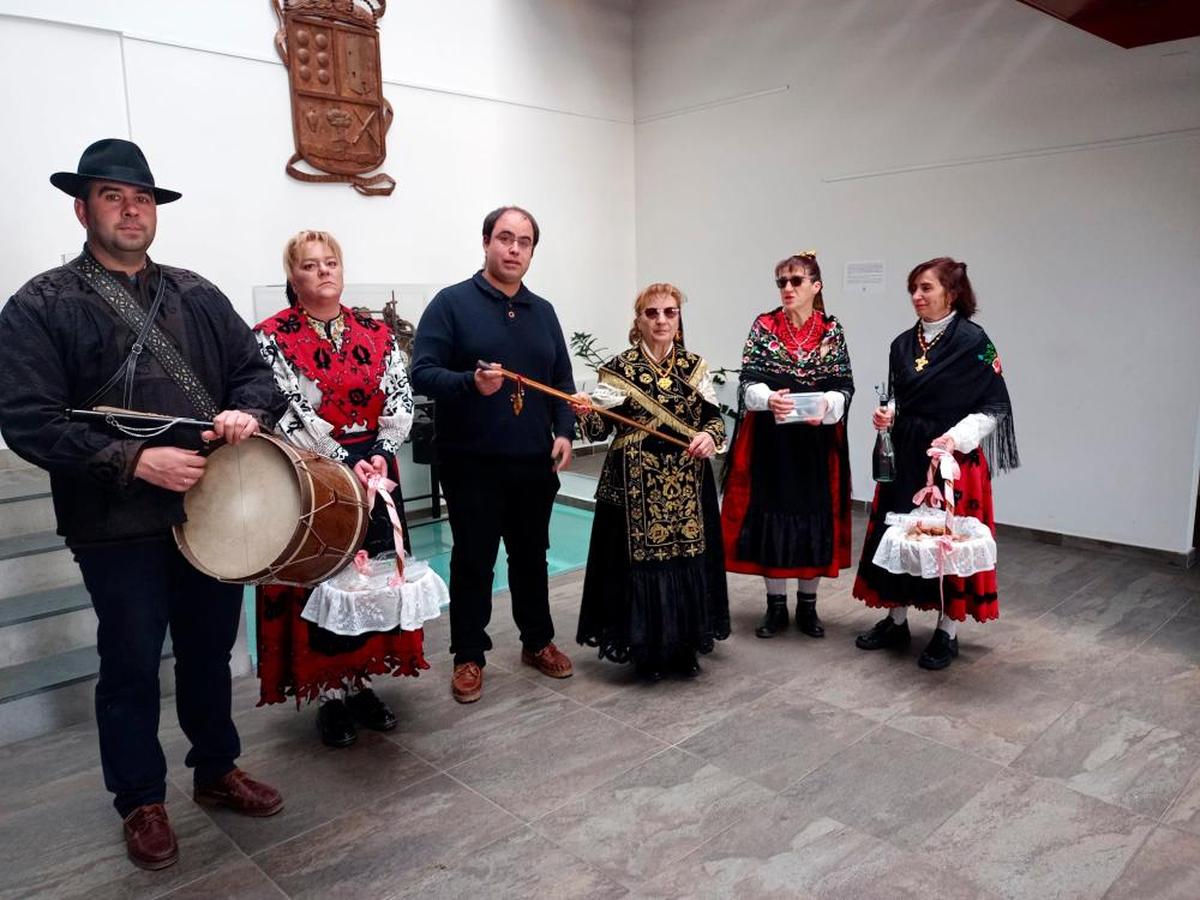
(299, 423)
(969, 433)
(397, 417)
(607, 397)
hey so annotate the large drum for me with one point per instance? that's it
(266, 511)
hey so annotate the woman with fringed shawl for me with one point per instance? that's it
(945, 376)
(654, 591)
(786, 510)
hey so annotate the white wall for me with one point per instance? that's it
(545, 123)
(497, 101)
(1086, 261)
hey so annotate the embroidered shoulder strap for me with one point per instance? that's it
(118, 297)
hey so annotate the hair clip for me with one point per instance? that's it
(804, 253)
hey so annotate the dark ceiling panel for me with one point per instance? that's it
(1127, 23)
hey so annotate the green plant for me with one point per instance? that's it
(584, 346)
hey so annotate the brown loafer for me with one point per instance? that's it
(549, 661)
(149, 838)
(241, 793)
(466, 684)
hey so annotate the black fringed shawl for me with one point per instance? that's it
(963, 376)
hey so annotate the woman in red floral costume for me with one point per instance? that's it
(786, 511)
(349, 399)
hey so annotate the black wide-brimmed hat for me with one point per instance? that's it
(112, 159)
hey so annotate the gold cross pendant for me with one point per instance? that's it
(921, 362)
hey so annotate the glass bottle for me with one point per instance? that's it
(883, 458)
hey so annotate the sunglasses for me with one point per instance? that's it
(670, 312)
(793, 280)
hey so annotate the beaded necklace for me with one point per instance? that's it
(807, 331)
(922, 361)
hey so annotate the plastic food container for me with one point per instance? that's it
(807, 406)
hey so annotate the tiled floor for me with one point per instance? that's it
(1059, 757)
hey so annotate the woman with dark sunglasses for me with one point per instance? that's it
(949, 393)
(786, 509)
(654, 592)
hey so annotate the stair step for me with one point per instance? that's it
(27, 515)
(47, 673)
(43, 604)
(45, 623)
(35, 562)
(19, 545)
(10, 460)
(23, 484)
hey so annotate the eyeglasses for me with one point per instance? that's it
(670, 312)
(507, 239)
(793, 280)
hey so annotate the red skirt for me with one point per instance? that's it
(974, 595)
(296, 658)
(736, 504)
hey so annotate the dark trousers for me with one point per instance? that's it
(489, 499)
(139, 590)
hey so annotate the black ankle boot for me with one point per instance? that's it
(886, 633)
(940, 651)
(649, 669)
(807, 619)
(335, 724)
(776, 619)
(687, 664)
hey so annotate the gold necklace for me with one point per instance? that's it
(664, 374)
(922, 361)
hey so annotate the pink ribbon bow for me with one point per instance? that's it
(383, 486)
(362, 562)
(941, 462)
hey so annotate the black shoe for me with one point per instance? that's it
(886, 633)
(687, 665)
(807, 619)
(335, 725)
(650, 671)
(941, 650)
(369, 710)
(776, 619)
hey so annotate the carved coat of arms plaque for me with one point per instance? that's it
(340, 117)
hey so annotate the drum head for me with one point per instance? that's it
(243, 513)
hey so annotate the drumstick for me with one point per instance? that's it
(554, 392)
(104, 413)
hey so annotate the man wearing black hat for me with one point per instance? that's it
(114, 328)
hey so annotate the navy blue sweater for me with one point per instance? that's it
(472, 321)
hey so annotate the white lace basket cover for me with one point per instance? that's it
(353, 603)
(974, 549)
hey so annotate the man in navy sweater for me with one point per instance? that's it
(499, 471)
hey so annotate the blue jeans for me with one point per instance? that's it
(139, 590)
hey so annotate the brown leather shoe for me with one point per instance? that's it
(241, 793)
(466, 684)
(149, 838)
(549, 661)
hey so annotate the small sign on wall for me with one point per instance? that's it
(865, 276)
